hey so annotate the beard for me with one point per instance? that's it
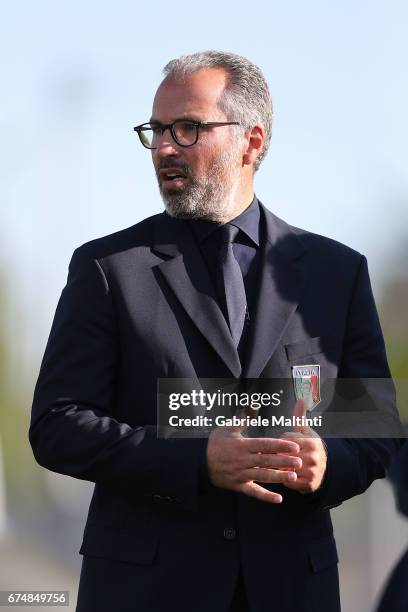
(211, 198)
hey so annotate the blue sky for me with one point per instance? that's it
(77, 76)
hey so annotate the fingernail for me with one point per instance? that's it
(292, 476)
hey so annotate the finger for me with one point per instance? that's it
(299, 412)
(240, 428)
(308, 432)
(271, 445)
(303, 473)
(253, 490)
(301, 485)
(292, 434)
(294, 470)
(273, 460)
(269, 475)
(304, 441)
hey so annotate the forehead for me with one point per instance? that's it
(195, 96)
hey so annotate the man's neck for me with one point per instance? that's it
(237, 204)
(239, 209)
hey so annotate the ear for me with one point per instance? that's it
(255, 141)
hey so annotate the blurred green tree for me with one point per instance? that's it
(393, 313)
(24, 483)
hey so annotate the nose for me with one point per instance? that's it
(165, 146)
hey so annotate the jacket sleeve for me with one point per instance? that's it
(73, 430)
(354, 463)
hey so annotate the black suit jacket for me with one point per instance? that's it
(139, 305)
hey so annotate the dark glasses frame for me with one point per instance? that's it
(163, 127)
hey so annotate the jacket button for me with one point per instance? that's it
(230, 533)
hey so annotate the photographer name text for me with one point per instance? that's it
(246, 421)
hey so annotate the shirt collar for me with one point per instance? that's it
(248, 222)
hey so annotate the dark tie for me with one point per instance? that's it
(232, 282)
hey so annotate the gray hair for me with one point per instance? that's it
(246, 98)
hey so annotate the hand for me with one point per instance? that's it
(312, 452)
(235, 462)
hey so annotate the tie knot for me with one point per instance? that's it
(228, 233)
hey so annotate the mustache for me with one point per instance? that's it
(172, 163)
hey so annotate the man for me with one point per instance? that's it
(214, 287)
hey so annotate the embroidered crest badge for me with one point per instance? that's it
(306, 380)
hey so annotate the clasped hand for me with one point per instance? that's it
(297, 460)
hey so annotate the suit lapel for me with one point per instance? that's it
(186, 274)
(281, 283)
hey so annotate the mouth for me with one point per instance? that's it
(172, 178)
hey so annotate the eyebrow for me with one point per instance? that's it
(157, 122)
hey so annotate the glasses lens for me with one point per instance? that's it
(146, 136)
(185, 132)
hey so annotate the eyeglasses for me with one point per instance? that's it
(184, 132)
